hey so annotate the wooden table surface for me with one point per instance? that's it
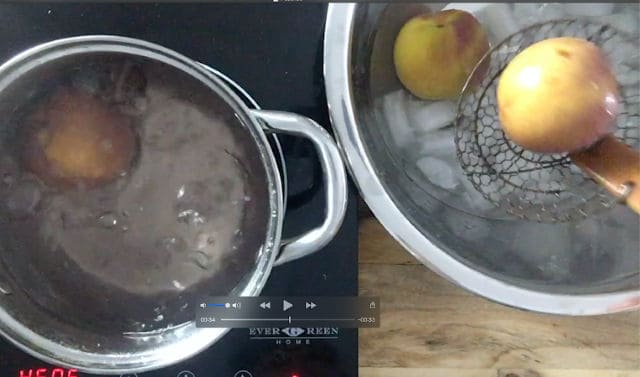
(431, 328)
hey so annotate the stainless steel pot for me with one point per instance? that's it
(54, 309)
(582, 268)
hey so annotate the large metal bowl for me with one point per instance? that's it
(578, 268)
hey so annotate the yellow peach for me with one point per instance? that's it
(434, 54)
(76, 139)
(558, 95)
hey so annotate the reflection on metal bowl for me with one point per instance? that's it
(409, 176)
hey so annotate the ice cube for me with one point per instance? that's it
(393, 108)
(589, 9)
(501, 20)
(525, 13)
(438, 172)
(627, 22)
(429, 116)
(622, 52)
(473, 8)
(473, 198)
(633, 93)
(627, 76)
(438, 143)
(550, 11)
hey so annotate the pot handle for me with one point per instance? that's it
(334, 179)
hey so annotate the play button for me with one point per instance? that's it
(286, 305)
(242, 373)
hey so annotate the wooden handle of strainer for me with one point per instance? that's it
(614, 165)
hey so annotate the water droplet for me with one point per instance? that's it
(234, 247)
(108, 220)
(23, 200)
(202, 241)
(159, 318)
(173, 244)
(195, 205)
(191, 217)
(247, 198)
(4, 290)
(177, 284)
(181, 191)
(125, 228)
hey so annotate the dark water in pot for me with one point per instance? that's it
(186, 219)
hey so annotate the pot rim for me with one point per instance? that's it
(187, 340)
(337, 73)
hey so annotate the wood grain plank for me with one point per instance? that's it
(430, 323)
(429, 372)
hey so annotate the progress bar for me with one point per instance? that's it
(303, 312)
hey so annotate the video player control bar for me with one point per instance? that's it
(248, 312)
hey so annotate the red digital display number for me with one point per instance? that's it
(46, 372)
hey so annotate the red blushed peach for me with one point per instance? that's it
(558, 95)
(434, 54)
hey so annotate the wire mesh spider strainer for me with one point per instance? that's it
(529, 185)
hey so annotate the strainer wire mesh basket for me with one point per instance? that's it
(529, 185)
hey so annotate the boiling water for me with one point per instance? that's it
(163, 227)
